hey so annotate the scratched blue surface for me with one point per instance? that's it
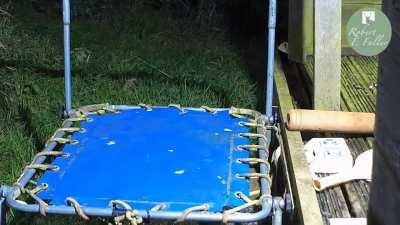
(150, 157)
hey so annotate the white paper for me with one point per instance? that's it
(328, 155)
(348, 221)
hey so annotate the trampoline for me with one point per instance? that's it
(142, 163)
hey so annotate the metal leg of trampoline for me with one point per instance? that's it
(2, 206)
(271, 59)
(277, 210)
(67, 56)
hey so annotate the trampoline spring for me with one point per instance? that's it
(227, 213)
(250, 147)
(159, 207)
(241, 112)
(242, 196)
(62, 141)
(187, 211)
(32, 193)
(179, 107)
(71, 130)
(77, 119)
(209, 109)
(236, 115)
(50, 153)
(32, 182)
(106, 110)
(124, 205)
(252, 176)
(145, 106)
(43, 167)
(252, 161)
(253, 135)
(255, 192)
(247, 124)
(42, 204)
(39, 188)
(78, 209)
(130, 214)
(97, 108)
(274, 128)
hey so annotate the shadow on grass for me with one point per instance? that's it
(128, 75)
(25, 118)
(178, 81)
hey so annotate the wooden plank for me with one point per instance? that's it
(327, 54)
(305, 200)
(358, 74)
(358, 79)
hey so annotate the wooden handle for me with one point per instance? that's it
(330, 121)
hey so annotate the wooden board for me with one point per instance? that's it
(358, 82)
(306, 205)
(327, 54)
(358, 93)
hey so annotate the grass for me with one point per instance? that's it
(150, 62)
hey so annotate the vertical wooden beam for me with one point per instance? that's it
(327, 54)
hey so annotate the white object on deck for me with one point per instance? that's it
(328, 155)
(362, 170)
(347, 221)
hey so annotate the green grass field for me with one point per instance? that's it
(150, 61)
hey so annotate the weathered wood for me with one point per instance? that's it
(306, 204)
(357, 192)
(358, 82)
(359, 74)
(300, 27)
(327, 54)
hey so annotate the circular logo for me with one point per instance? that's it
(369, 31)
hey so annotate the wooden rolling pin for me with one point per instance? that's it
(330, 121)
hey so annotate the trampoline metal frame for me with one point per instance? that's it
(269, 205)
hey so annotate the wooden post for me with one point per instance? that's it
(327, 54)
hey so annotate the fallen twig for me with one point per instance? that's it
(5, 13)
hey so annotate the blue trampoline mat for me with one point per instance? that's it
(151, 157)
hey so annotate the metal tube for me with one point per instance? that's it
(263, 154)
(216, 217)
(67, 56)
(2, 207)
(157, 215)
(277, 214)
(271, 59)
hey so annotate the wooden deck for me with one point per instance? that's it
(358, 93)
